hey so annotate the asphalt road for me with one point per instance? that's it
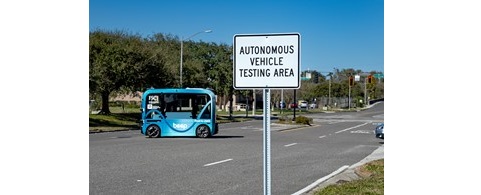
(231, 162)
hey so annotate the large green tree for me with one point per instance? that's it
(116, 62)
(161, 68)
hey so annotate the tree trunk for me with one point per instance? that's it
(105, 103)
(231, 93)
(223, 103)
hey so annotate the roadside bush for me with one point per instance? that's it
(283, 118)
(304, 120)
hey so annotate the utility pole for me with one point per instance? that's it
(351, 83)
(329, 99)
(349, 100)
(365, 92)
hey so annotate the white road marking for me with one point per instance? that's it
(290, 144)
(322, 136)
(362, 131)
(352, 128)
(218, 162)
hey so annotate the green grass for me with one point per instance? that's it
(371, 182)
(114, 121)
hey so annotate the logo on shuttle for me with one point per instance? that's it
(180, 126)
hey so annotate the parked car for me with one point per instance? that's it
(379, 131)
(282, 105)
(303, 104)
(293, 105)
(312, 106)
(241, 107)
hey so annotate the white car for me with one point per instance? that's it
(241, 107)
(303, 104)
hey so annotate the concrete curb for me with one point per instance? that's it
(348, 174)
(292, 127)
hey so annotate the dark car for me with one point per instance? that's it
(379, 131)
(282, 105)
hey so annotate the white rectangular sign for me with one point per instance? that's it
(267, 61)
(357, 78)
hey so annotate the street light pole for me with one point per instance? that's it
(182, 50)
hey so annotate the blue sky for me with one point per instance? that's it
(334, 33)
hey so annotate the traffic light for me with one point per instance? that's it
(351, 81)
(369, 79)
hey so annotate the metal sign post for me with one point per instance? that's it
(265, 61)
(267, 141)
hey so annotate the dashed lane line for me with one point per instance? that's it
(351, 128)
(290, 144)
(218, 162)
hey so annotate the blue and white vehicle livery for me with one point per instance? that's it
(178, 112)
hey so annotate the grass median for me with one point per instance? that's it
(113, 122)
(371, 181)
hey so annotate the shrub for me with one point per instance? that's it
(285, 119)
(304, 120)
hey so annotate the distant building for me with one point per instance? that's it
(133, 97)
